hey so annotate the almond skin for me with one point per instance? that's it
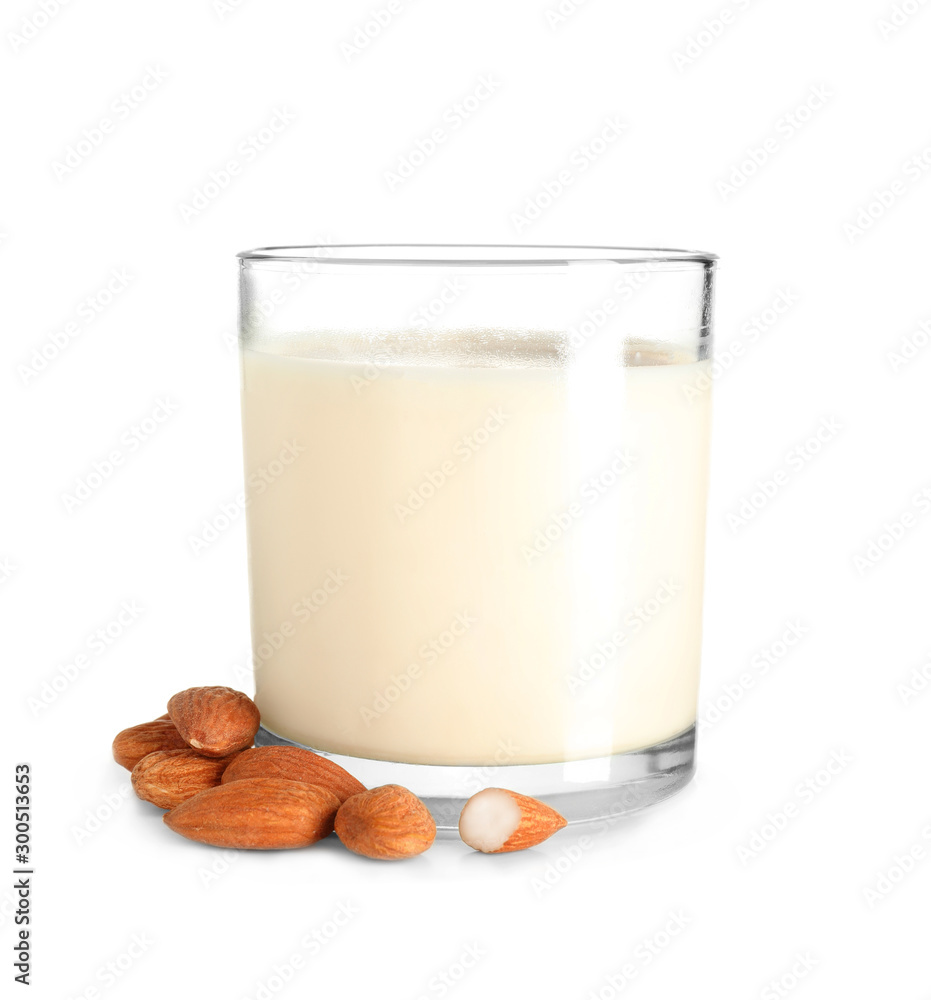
(256, 813)
(497, 821)
(169, 777)
(215, 721)
(131, 745)
(387, 823)
(296, 764)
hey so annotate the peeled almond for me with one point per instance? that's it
(497, 820)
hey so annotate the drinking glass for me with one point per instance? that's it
(476, 480)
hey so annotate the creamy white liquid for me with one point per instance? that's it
(475, 565)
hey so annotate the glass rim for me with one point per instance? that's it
(473, 255)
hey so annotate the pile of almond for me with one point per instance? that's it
(198, 762)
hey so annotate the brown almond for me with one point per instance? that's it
(167, 778)
(386, 823)
(131, 745)
(296, 764)
(215, 721)
(497, 820)
(256, 814)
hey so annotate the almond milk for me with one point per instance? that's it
(458, 562)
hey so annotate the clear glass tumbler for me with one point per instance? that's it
(476, 481)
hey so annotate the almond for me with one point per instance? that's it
(132, 744)
(167, 777)
(296, 764)
(216, 721)
(256, 813)
(386, 823)
(496, 820)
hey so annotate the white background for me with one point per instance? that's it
(560, 920)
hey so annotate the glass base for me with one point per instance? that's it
(582, 790)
